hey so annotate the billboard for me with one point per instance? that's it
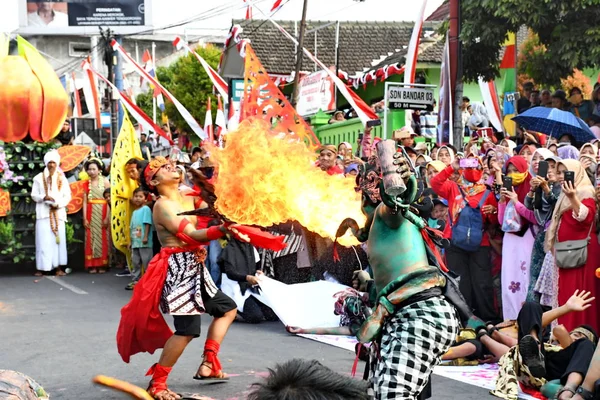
(317, 92)
(83, 16)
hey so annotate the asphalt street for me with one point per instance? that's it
(61, 332)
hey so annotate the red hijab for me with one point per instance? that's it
(520, 163)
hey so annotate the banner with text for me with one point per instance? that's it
(317, 92)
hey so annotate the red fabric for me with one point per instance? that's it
(532, 392)
(211, 350)
(434, 249)
(259, 238)
(520, 164)
(582, 278)
(214, 233)
(142, 327)
(447, 189)
(335, 170)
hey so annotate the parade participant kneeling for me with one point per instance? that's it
(172, 281)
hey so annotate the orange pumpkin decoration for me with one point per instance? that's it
(32, 99)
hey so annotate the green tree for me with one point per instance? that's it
(568, 29)
(189, 83)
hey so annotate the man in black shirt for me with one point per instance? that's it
(65, 136)
(523, 103)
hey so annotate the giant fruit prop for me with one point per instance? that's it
(32, 99)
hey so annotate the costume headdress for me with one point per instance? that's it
(369, 179)
(152, 168)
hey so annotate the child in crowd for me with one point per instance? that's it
(140, 230)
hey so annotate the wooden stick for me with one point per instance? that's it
(393, 184)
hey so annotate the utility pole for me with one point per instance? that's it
(456, 71)
(109, 60)
(299, 54)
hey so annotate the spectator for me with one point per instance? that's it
(546, 98)
(428, 121)
(433, 168)
(596, 99)
(65, 137)
(439, 214)
(559, 100)
(195, 154)
(465, 114)
(580, 107)
(534, 98)
(523, 103)
(140, 230)
(574, 219)
(446, 154)
(473, 266)
(595, 125)
(479, 117)
(412, 154)
(567, 152)
(327, 160)
(404, 136)
(422, 149)
(338, 116)
(146, 146)
(351, 170)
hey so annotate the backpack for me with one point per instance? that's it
(467, 234)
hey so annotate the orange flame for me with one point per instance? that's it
(266, 179)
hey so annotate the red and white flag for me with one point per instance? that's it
(220, 123)
(364, 112)
(140, 116)
(208, 123)
(492, 105)
(90, 92)
(76, 100)
(187, 116)
(218, 82)
(276, 6)
(413, 47)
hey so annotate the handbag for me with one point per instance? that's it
(572, 253)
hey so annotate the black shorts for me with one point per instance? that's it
(217, 306)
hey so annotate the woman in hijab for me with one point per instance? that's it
(541, 202)
(588, 158)
(52, 194)
(432, 169)
(446, 155)
(474, 267)
(516, 245)
(574, 219)
(568, 152)
(479, 116)
(527, 151)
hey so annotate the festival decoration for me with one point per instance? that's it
(262, 98)
(4, 203)
(32, 99)
(121, 185)
(72, 156)
(77, 193)
(266, 179)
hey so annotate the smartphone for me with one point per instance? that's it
(543, 169)
(360, 136)
(468, 163)
(570, 177)
(475, 135)
(507, 183)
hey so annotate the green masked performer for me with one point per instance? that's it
(415, 320)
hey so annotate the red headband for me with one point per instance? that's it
(152, 168)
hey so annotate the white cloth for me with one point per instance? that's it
(61, 198)
(60, 20)
(49, 254)
(516, 258)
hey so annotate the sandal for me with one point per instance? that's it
(93, 271)
(38, 273)
(60, 272)
(215, 376)
(153, 391)
(532, 357)
(102, 270)
(565, 389)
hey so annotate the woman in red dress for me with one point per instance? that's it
(574, 219)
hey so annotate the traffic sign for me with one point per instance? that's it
(403, 98)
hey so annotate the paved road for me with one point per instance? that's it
(64, 335)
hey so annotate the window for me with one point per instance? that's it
(79, 49)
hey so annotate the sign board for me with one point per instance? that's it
(403, 98)
(82, 16)
(317, 92)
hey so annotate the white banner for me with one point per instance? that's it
(317, 92)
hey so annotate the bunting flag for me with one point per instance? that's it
(363, 111)
(218, 82)
(220, 123)
(76, 100)
(248, 10)
(413, 47)
(264, 100)
(276, 6)
(233, 119)
(144, 120)
(208, 123)
(492, 105)
(445, 125)
(508, 66)
(187, 116)
(90, 92)
(150, 68)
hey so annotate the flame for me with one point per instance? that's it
(266, 179)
